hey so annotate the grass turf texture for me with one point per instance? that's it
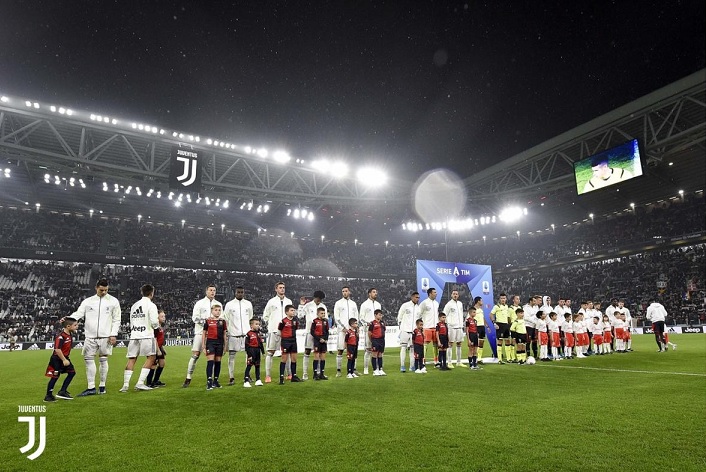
(506, 417)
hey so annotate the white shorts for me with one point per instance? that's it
(309, 341)
(274, 341)
(100, 346)
(341, 345)
(236, 343)
(197, 345)
(368, 341)
(141, 347)
(406, 338)
(455, 335)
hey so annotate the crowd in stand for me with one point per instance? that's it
(33, 295)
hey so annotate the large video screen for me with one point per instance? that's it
(608, 168)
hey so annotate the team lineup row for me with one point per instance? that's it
(537, 326)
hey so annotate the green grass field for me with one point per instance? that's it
(639, 411)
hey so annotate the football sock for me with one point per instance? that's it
(102, 371)
(231, 364)
(268, 364)
(305, 369)
(67, 381)
(293, 366)
(458, 354)
(257, 372)
(247, 372)
(282, 365)
(380, 362)
(192, 366)
(209, 370)
(150, 377)
(157, 373)
(90, 372)
(322, 365)
(411, 356)
(403, 354)
(143, 375)
(216, 369)
(375, 363)
(126, 377)
(339, 361)
(50, 387)
(316, 366)
(366, 360)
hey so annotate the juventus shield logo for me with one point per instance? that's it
(185, 172)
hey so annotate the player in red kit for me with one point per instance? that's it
(472, 330)
(253, 349)
(319, 333)
(442, 335)
(288, 333)
(376, 334)
(60, 362)
(351, 339)
(214, 340)
(418, 346)
(156, 371)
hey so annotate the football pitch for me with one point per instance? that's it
(638, 411)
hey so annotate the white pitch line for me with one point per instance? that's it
(692, 374)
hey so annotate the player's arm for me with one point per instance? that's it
(267, 313)
(492, 314)
(204, 336)
(153, 315)
(80, 313)
(312, 329)
(399, 315)
(196, 314)
(115, 315)
(60, 355)
(224, 334)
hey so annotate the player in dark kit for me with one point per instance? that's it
(253, 349)
(319, 331)
(288, 333)
(352, 347)
(418, 344)
(156, 371)
(472, 330)
(59, 363)
(442, 335)
(376, 333)
(214, 340)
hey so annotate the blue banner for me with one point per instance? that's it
(477, 278)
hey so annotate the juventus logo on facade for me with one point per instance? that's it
(32, 440)
(185, 172)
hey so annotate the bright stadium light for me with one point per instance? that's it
(371, 176)
(281, 157)
(310, 217)
(69, 111)
(4, 99)
(36, 105)
(52, 109)
(510, 214)
(296, 213)
(262, 152)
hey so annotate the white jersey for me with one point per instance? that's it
(429, 310)
(541, 325)
(367, 310)
(102, 316)
(308, 312)
(274, 312)
(530, 315)
(560, 311)
(553, 326)
(611, 311)
(546, 309)
(343, 310)
(201, 312)
(407, 316)
(626, 312)
(454, 313)
(238, 314)
(567, 327)
(618, 324)
(656, 312)
(143, 319)
(597, 328)
(579, 327)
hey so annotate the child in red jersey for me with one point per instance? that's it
(288, 333)
(472, 331)
(376, 334)
(60, 362)
(418, 344)
(156, 370)
(352, 347)
(319, 332)
(214, 339)
(442, 336)
(253, 349)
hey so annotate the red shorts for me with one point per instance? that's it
(626, 335)
(556, 340)
(569, 339)
(543, 339)
(582, 339)
(607, 337)
(619, 333)
(429, 335)
(597, 339)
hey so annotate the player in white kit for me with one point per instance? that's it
(407, 319)
(429, 311)
(455, 318)
(343, 310)
(309, 311)
(273, 314)
(237, 314)
(144, 319)
(200, 313)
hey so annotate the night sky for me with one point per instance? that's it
(459, 84)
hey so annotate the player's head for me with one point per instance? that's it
(614, 301)
(621, 303)
(254, 324)
(552, 315)
(373, 293)
(239, 293)
(419, 323)
(353, 323)
(70, 324)
(442, 317)
(477, 301)
(414, 297)
(378, 314)
(431, 293)
(520, 313)
(547, 300)
(599, 167)
(289, 311)
(542, 315)
(516, 300)
(454, 295)
(605, 318)
(161, 316)
(147, 290)
(503, 299)
(321, 312)
(537, 300)
(472, 311)
(211, 292)
(345, 291)
(589, 303)
(216, 309)
(318, 296)
(567, 303)
(562, 302)
(567, 316)
(584, 305)
(596, 319)
(102, 287)
(279, 289)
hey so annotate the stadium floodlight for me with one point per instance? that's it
(339, 169)
(266, 208)
(92, 117)
(134, 125)
(404, 226)
(191, 137)
(159, 194)
(681, 193)
(4, 99)
(209, 141)
(371, 176)
(140, 126)
(197, 139)
(262, 152)
(250, 205)
(248, 149)
(226, 204)
(36, 105)
(632, 205)
(174, 134)
(154, 130)
(106, 119)
(310, 216)
(304, 213)
(281, 157)
(289, 211)
(69, 111)
(28, 103)
(510, 214)
(259, 208)
(181, 135)
(52, 109)
(114, 121)
(37, 205)
(171, 195)
(91, 211)
(177, 204)
(296, 213)
(322, 238)
(161, 131)
(139, 217)
(215, 143)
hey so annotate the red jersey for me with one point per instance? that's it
(319, 328)
(215, 328)
(442, 328)
(418, 336)
(63, 341)
(159, 336)
(253, 339)
(352, 337)
(288, 327)
(471, 325)
(377, 329)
